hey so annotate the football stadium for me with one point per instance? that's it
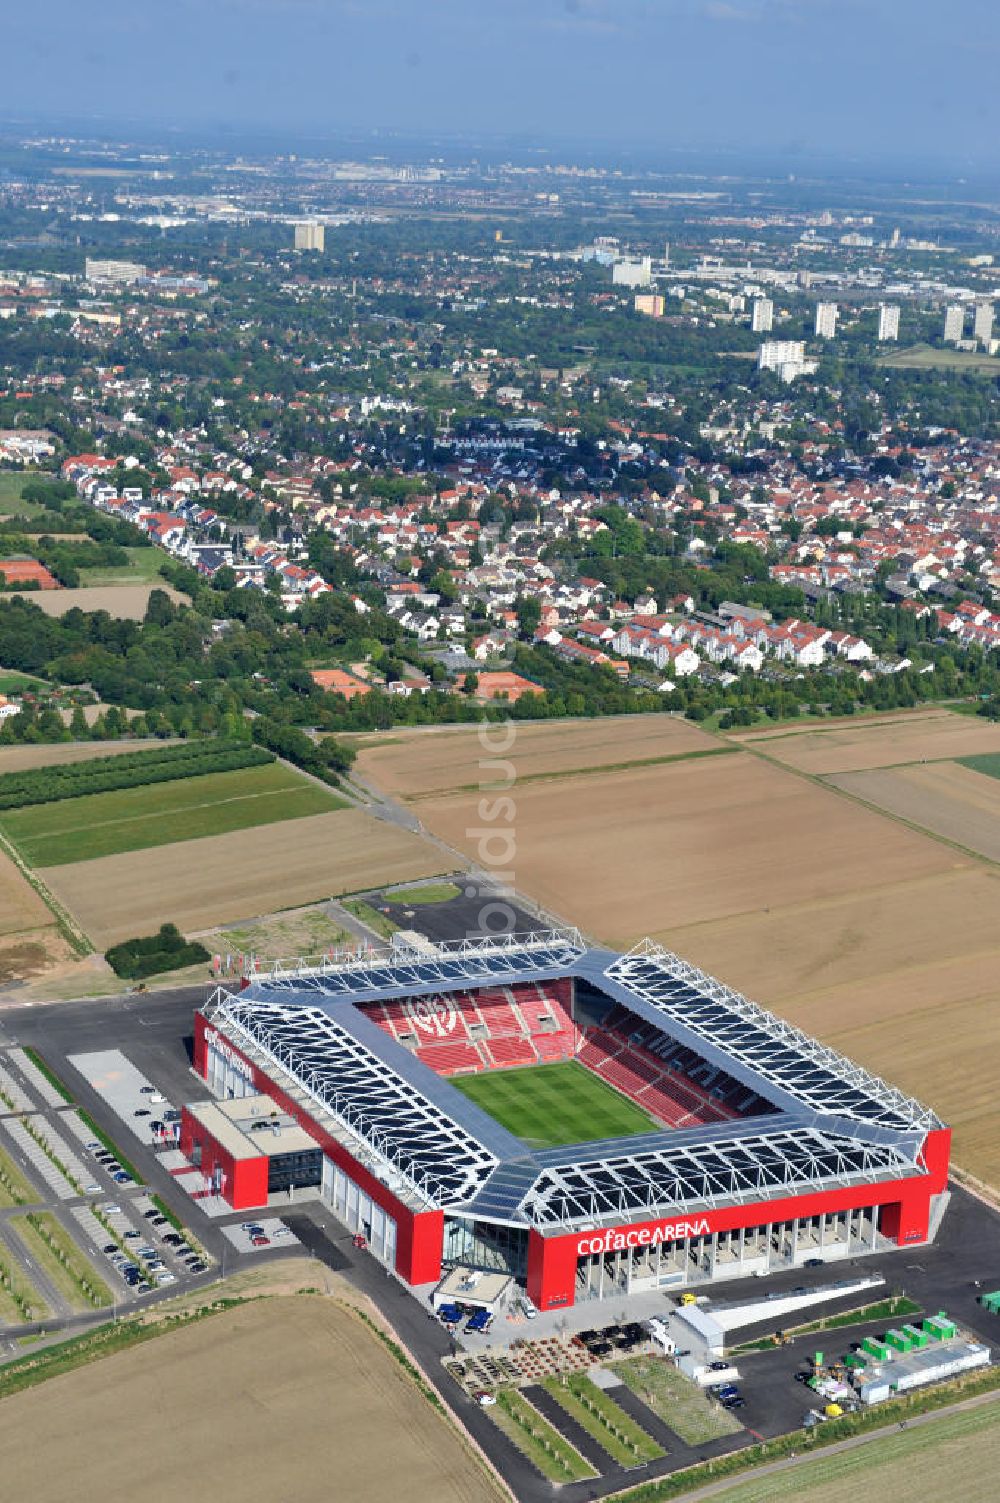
(587, 1123)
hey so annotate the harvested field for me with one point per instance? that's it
(225, 878)
(877, 938)
(924, 736)
(20, 758)
(124, 602)
(306, 1404)
(901, 978)
(952, 801)
(21, 908)
(640, 851)
(414, 763)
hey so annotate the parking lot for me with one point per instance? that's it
(258, 1236)
(133, 1098)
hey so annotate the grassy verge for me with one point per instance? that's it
(429, 892)
(102, 1342)
(884, 1309)
(110, 1144)
(14, 1188)
(50, 1075)
(681, 1404)
(172, 1217)
(615, 1431)
(412, 1372)
(61, 1259)
(370, 916)
(20, 1301)
(548, 1451)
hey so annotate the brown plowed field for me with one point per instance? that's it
(952, 801)
(413, 763)
(634, 852)
(124, 602)
(282, 1399)
(924, 736)
(199, 883)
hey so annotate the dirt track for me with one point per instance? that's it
(287, 1399)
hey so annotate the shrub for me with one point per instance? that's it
(148, 956)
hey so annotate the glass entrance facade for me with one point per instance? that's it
(736, 1254)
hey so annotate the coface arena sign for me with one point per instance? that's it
(618, 1239)
(222, 1046)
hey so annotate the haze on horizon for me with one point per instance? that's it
(873, 81)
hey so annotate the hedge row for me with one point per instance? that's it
(46, 785)
(153, 953)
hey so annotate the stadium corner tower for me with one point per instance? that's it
(386, 1082)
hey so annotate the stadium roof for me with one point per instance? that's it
(833, 1124)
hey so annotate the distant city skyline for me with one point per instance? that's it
(649, 75)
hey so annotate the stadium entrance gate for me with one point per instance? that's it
(727, 1255)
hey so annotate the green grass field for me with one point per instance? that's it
(548, 1105)
(681, 1404)
(988, 763)
(427, 892)
(11, 484)
(925, 357)
(143, 568)
(135, 819)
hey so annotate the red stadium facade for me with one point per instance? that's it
(844, 1165)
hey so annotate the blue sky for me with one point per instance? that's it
(879, 80)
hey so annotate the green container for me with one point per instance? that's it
(897, 1341)
(918, 1338)
(871, 1345)
(854, 1361)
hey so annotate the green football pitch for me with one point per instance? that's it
(548, 1105)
